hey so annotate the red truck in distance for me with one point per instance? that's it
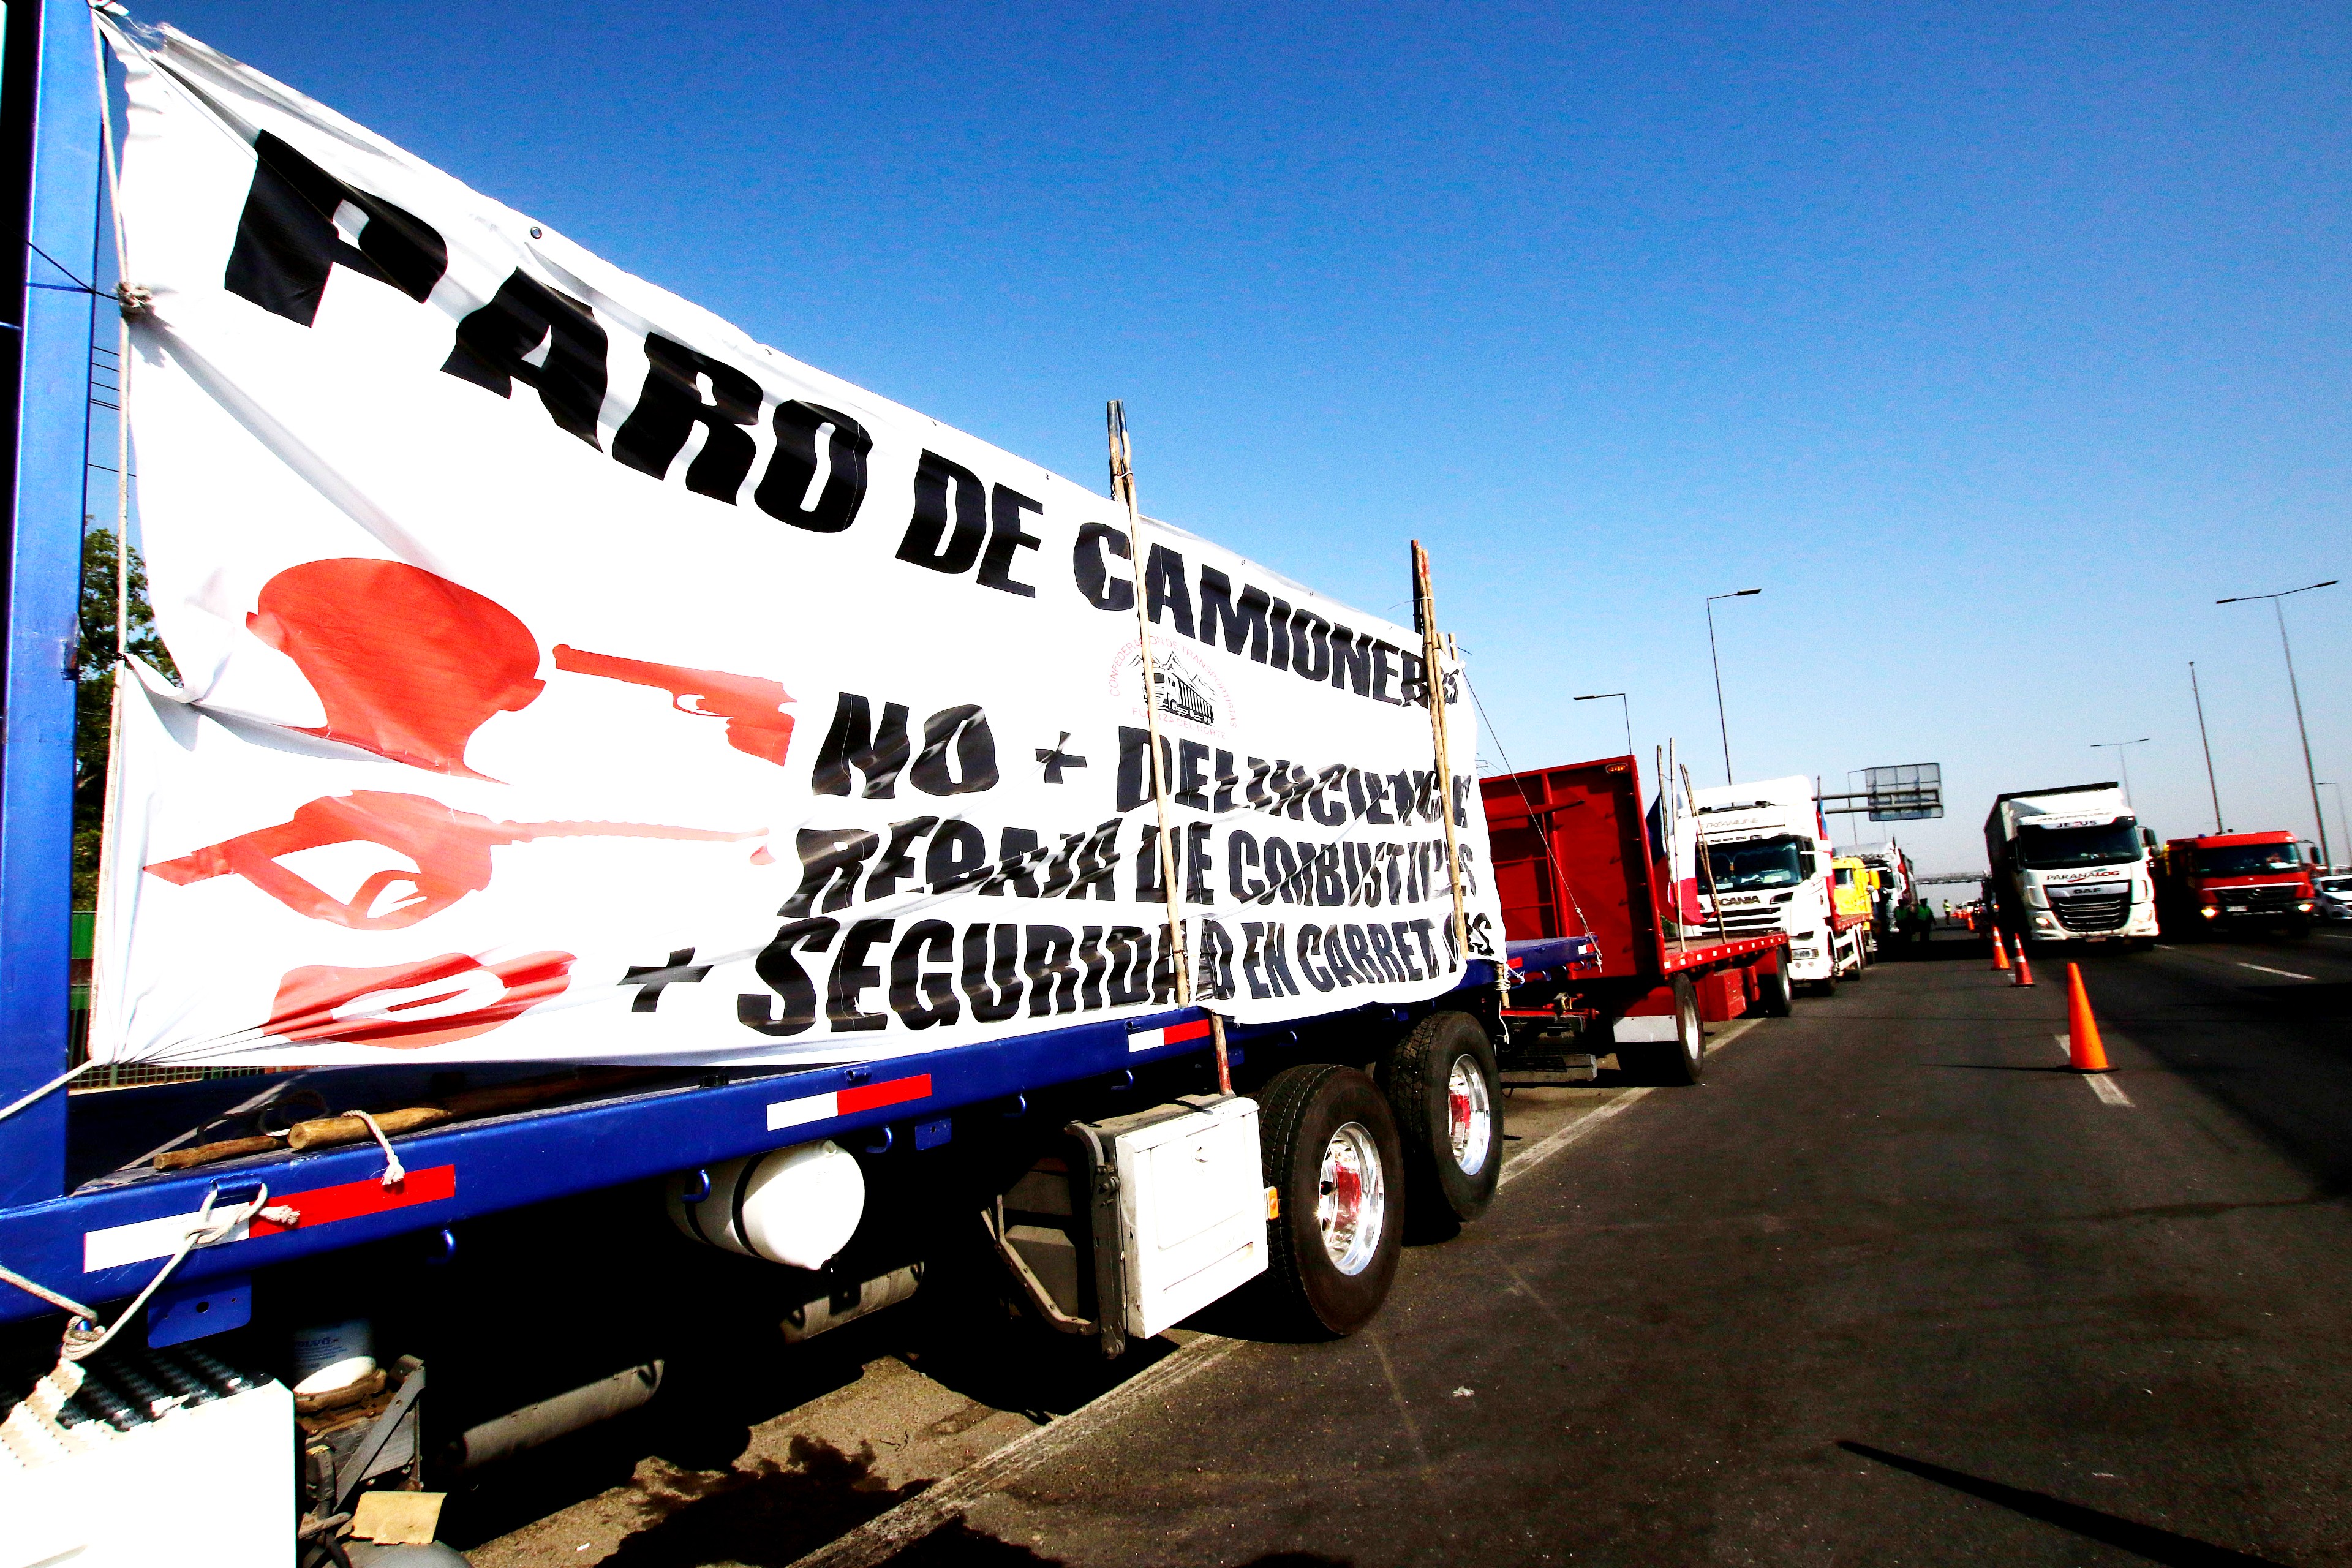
(2236, 879)
(1602, 961)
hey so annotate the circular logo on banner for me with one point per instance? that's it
(1189, 692)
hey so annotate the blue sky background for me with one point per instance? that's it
(1993, 342)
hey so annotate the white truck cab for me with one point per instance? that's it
(2071, 865)
(1767, 867)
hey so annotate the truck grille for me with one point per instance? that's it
(2093, 911)
(1744, 922)
(2280, 898)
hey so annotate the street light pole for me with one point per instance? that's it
(2124, 756)
(2340, 822)
(2310, 774)
(1722, 724)
(1627, 706)
(2219, 826)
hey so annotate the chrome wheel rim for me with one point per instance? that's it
(1469, 1116)
(1693, 1036)
(1351, 1198)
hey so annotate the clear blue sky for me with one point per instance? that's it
(1994, 343)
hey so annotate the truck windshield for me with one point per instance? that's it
(1765, 863)
(2104, 844)
(2247, 859)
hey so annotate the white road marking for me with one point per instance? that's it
(2335, 935)
(2266, 969)
(2108, 1089)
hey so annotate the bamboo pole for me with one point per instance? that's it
(1122, 489)
(1433, 672)
(1705, 865)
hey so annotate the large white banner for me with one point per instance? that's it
(567, 676)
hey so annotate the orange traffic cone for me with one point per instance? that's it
(2083, 1047)
(2000, 954)
(2024, 970)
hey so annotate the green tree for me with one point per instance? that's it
(94, 690)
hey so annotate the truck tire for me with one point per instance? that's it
(1775, 998)
(1682, 1061)
(1443, 1085)
(1329, 1146)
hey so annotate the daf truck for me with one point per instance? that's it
(2071, 864)
(1765, 865)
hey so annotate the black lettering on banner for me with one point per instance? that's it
(921, 997)
(1335, 950)
(1282, 879)
(1310, 942)
(1296, 784)
(1135, 765)
(1097, 860)
(1254, 795)
(927, 541)
(1384, 953)
(1091, 959)
(1278, 622)
(494, 344)
(1331, 813)
(1199, 865)
(1151, 886)
(1428, 954)
(852, 977)
(1191, 774)
(896, 864)
(1356, 794)
(1359, 955)
(1383, 671)
(1310, 646)
(1376, 800)
(965, 726)
(1163, 587)
(777, 965)
(1404, 932)
(831, 858)
(1424, 794)
(1370, 857)
(1063, 867)
(1053, 979)
(669, 406)
(957, 858)
(1222, 801)
(1412, 690)
(1331, 887)
(1253, 940)
(1351, 661)
(1393, 856)
(852, 743)
(782, 492)
(992, 1004)
(1462, 800)
(1216, 962)
(1017, 856)
(1130, 964)
(1005, 507)
(1453, 946)
(1241, 862)
(1244, 625)
(1277, 960)
(1163, 970)
(289, 241)
(1090, 567)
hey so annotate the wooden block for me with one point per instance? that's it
(397, 1519)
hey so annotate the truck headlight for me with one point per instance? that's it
(2043, 921)
(2304, 908)
(2209, 911)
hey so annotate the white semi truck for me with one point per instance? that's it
(1767, 868)
(2071, 865)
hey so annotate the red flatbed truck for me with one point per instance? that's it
(1599, 964)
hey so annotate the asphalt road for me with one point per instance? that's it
(1891, 1287)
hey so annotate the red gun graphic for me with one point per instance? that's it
(753, 708)
(451, 848)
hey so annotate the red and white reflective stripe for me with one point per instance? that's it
(849, 1101)
(146, 1239)
(1173, 1034)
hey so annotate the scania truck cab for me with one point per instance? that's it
(2237, 879)
(2072, 864)
(1767, 868)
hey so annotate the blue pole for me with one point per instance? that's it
(50, 421)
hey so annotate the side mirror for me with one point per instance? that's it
(2148, 837)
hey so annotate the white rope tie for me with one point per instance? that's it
(66, 1302)
(45, 1089)
(394, 1173)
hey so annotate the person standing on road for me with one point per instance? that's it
(1917, 922)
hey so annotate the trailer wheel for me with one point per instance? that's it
(1775, 998)
(1682, 1059)
(1329, 1146)
(1443, 1085)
